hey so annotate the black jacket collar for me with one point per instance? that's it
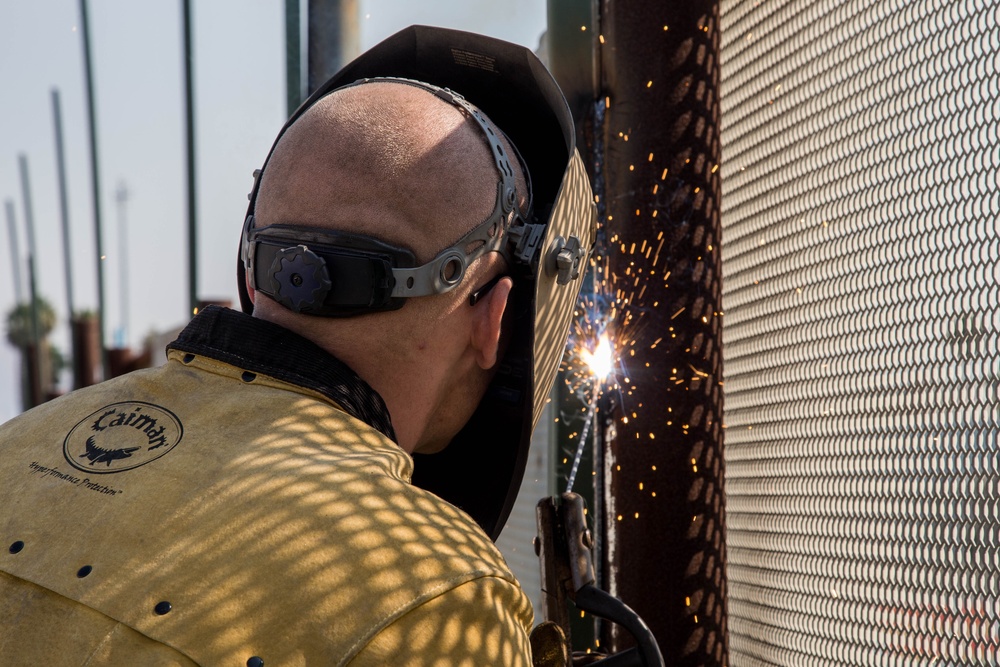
(263, 347)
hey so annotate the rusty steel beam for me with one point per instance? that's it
(659, 183)
(87, 357)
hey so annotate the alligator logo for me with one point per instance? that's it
(122, 436)
(98, 455)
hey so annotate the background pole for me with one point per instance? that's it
(15, 251)
(334, 38)
(34, 351)
(192, 193)
(64, 218)
(296, 57)
(96, 183)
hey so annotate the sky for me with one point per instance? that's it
(136, 51)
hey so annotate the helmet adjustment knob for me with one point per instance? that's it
(566, 259)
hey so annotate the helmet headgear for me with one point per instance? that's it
(337, 274)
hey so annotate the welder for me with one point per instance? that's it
(318, 479)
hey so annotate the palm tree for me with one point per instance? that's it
(19, 328)
(44, 358)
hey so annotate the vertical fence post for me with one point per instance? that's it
(665, 549)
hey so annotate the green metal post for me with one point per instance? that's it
(295, 55)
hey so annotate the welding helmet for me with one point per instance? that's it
(503, 87)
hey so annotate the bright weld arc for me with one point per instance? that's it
(602, 360)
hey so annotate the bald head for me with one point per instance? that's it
(395, 162)
(384, 159)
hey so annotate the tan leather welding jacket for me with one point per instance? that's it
(207, 512)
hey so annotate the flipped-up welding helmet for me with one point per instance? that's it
(505, 88)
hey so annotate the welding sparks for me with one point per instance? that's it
(616, 309)
(596, 342)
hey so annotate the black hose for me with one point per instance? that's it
(594, 600)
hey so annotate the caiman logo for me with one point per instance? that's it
(122, 436)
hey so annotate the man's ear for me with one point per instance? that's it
(488, 316)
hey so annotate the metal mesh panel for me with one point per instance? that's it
(860, 284)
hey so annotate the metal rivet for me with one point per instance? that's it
(248, 376)
(84, 571)
(188, 358)
(16, 547)
(162, 608)
(255, 661)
